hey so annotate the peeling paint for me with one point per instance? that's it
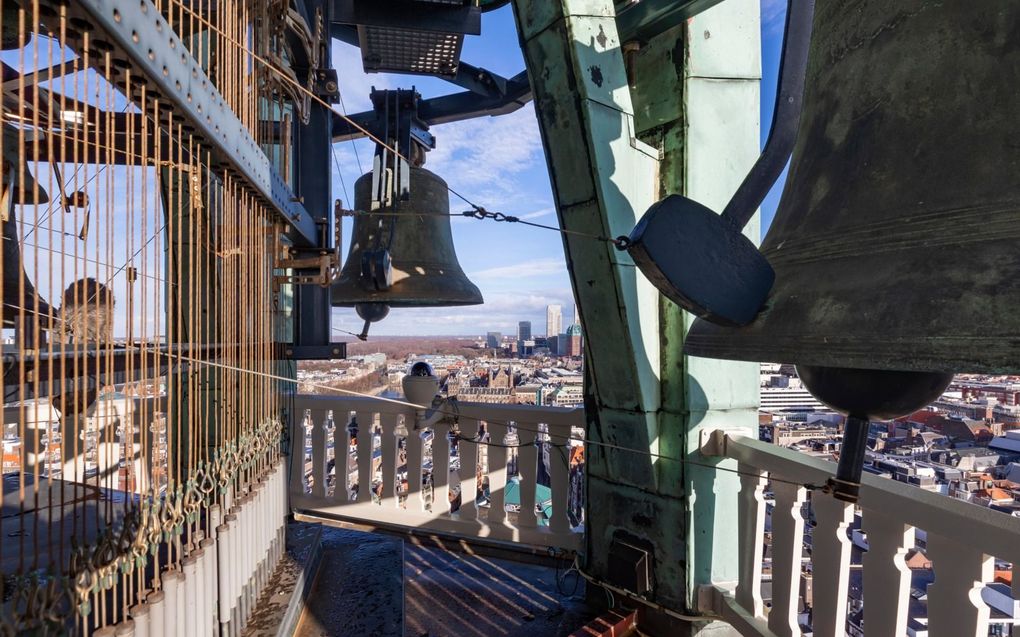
(596, 75)
(678, 55)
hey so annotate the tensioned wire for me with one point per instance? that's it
(478, 212)
(455, 414)
(98, 250)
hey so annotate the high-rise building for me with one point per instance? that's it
(577, 316)
(494, 340)
(553, 320)
(573, 344)
(524, 331)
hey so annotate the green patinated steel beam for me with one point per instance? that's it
(643, 21)
(695, 100)
(721, 113)
(603, 179)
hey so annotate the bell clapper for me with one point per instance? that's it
(372, 313)
(363, 336)
(846, 485)
(866, 395)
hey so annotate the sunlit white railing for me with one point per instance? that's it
(961, 540)
(375, 462)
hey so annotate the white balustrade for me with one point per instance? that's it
(960, 539)
(118, 428)
(365, 486)
(787, 546)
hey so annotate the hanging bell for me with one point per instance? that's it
(404, 255)
(23, 308)
(895, 244)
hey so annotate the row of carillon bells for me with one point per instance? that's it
(894, 249)
(403, 255)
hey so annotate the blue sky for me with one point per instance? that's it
(498, 163)
(495, 161)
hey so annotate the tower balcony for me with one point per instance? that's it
(803, 563)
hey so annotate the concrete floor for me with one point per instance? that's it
(450, 594)
(358, 587)
(376, 584)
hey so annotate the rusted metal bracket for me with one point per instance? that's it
(286, 257)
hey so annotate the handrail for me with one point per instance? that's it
(957, 519)
(961, 541)
(382, 467)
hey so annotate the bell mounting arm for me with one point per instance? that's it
(701, 260)
(785, 116)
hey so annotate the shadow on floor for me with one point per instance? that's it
(376, 584)
(448, 593)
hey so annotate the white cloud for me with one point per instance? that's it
(355, 84)
(773, 17)
(538, 214)
(484, 158)
(534, 267)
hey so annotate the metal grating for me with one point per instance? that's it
(410, 51)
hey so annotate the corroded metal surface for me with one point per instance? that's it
(894, 244)
(418, 237)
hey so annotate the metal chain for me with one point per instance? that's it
(621, 242)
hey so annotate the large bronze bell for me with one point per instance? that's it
(896, 245)
(403, 256)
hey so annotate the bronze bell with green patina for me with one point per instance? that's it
(402, 255)
(896, 243)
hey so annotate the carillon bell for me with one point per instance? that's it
(403, 255)
(895, 244)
